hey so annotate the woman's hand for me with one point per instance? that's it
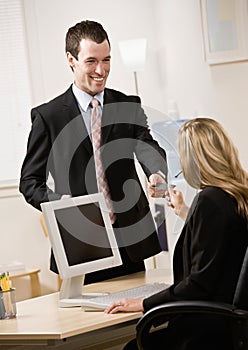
(125, 305)
(175, 200)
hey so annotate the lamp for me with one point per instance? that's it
(133, 54)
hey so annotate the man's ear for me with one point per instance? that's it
(70, 59)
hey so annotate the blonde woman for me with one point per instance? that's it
(211, 247)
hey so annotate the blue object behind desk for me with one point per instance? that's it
(166, 132)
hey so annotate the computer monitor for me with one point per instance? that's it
(82, 240)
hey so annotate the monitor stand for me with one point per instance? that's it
(71, 295)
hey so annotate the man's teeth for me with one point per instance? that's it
(98, 79)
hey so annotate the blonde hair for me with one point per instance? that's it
(209, 158)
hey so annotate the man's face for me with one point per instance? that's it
(92, 66)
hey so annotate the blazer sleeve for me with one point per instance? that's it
(34, 168)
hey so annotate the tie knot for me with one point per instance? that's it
(94, 102)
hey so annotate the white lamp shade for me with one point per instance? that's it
(133, 53)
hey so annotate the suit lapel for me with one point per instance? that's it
(108, 116)
(110, 111)
(72, 111)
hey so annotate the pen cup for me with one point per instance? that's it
(7, 304)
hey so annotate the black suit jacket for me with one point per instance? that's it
(59, 144)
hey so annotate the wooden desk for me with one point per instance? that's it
(41, 323)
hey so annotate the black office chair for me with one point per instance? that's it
(237, 312)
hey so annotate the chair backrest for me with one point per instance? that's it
(240, 299)
(43, 225)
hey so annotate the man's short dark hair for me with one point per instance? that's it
(84, 30)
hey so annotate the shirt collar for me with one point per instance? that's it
(84, 99)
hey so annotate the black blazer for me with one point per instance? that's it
(209, 252)
(59, 144)
(206, 264)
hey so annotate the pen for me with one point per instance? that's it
(180, 172)
(5, 281)
(8, 280)
(2, 308)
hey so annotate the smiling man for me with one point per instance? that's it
(62, 144)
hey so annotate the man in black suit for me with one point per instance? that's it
(60, 144)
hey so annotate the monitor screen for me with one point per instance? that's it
(82, 239)
(83, 234)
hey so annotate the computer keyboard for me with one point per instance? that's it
(102, 302)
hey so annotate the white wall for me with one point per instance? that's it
(47, 23)
(175, 69)
(218, 91)
(230, 90)
(23, 240)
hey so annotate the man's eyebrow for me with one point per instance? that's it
(94, 58)
(90, 58)
(107, 57)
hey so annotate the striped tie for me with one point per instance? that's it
(96, 140)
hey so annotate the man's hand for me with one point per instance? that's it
(65, 196)
(154, 191)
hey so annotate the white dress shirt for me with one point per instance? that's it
(83, 100)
